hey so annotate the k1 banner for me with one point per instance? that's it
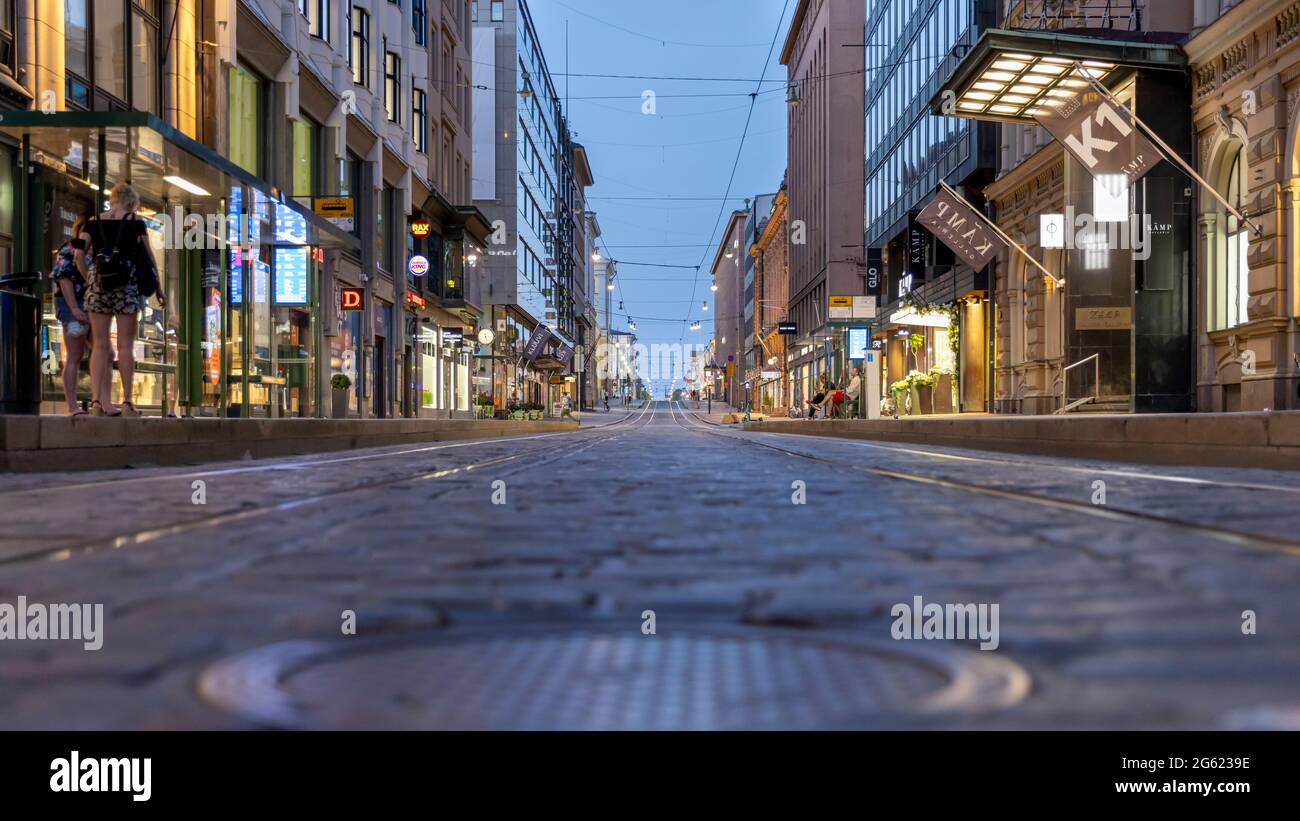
(1099, 136)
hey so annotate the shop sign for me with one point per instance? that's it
(565, 355)
(420, 228)
(415, 300)
(352, 299)
(452, 337)
(212, 337)
(875, 265)
(1103, 319)
(418, 266)
(864, 307)
(841, 307)
(340, 211)
(957, 225)
(788, 328)
(915, 249)
(1098, 136)
(768, 376)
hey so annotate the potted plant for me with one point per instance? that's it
(340, 383)
(901, 392)
(535, 412)
(483, 406)
(922, 385)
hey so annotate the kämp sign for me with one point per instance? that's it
(958, 226)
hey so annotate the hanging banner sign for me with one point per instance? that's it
(958, 226)
(536, 343)
(1100, 137)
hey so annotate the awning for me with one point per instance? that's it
(1009, 74)
(162, 163)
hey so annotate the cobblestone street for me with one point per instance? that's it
(510, 583)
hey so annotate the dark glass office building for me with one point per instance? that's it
(932, 316)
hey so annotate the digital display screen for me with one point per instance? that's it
(858, 343)
(261, 282)
(290, 226)
(236, 276)
(291, 276)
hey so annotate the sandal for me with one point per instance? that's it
(96, 409)
(128, 410)
(77, 413)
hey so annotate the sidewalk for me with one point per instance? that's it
(52, 443)
(1264, 440)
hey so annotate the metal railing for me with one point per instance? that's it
(1066, 404)
(1059, 14)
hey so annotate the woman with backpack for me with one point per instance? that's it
(120, 275)
(70, 308)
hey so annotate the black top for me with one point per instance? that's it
(133, 239)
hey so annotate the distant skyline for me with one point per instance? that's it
(685, 149)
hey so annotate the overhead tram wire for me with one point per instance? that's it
(780, 20)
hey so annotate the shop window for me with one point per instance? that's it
(1230, 273)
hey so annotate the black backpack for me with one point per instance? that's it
(113, 268)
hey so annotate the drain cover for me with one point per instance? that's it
(588, 678)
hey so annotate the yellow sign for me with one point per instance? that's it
(841, 302)
(1103, 319)
(334, 207)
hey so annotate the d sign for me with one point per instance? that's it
(351, 299)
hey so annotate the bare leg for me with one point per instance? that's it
(73, 349)
(101, 365)
(126, 328)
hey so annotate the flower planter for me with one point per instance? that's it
(340, 402)
(535, 415)
(922, 400)
(943, 394)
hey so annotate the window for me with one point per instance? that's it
(245, 114)
(145, 71)
(419, 20)
(1230, 279)
(7, 30)
(498, 11)
(420, 120)
(305, 138)
(393, 86)
(317, 13)
(473, 11)
(360, 47)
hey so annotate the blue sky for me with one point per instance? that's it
(686, 148)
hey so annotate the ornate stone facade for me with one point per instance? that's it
(1246, 75)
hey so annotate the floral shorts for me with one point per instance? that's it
(124, 300)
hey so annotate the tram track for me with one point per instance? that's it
(571, 442)
(1257, 541)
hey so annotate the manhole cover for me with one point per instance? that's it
(589, 678)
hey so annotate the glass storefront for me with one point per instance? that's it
(240, 332)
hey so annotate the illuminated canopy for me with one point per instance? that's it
(1011, 75)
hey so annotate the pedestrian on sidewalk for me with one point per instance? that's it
(70, 308)
(566, 407)
(120, 274)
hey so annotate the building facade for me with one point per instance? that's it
(1126, 257)
(772, 289)
(825, 65)
(1245, 64)
(729, 328)
(525, 182)
(930, 327)
(294, 159)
